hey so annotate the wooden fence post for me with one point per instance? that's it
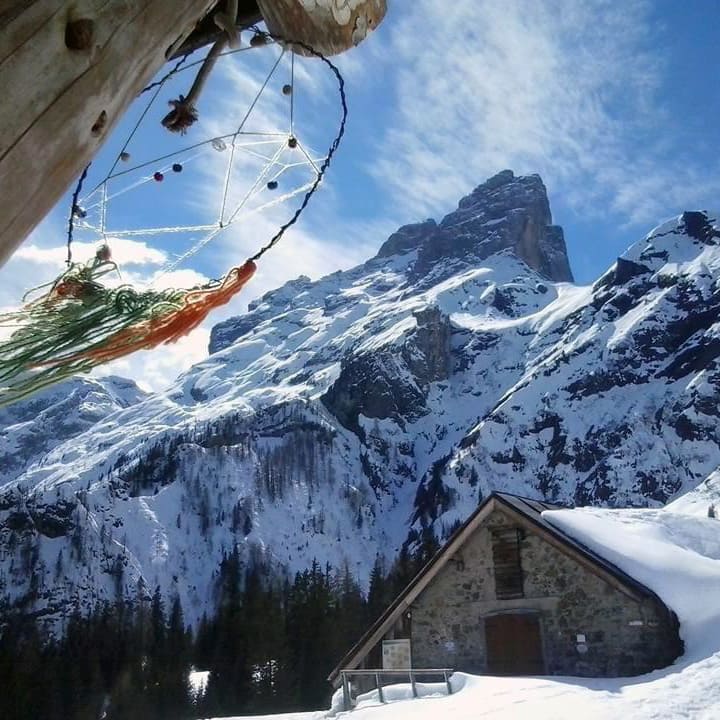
(347, 698)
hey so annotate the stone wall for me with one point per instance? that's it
(622, 636)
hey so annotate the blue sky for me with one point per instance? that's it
(616, 105)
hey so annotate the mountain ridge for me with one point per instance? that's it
(342, 418)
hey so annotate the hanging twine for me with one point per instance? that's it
(81, 323)
(184, 113)
(73, 211)
(331, 151)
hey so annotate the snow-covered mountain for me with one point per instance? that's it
(30, 429)
(337, 418)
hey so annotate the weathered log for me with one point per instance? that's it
(328, 26)
(68, 72)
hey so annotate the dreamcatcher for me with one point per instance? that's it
(87, 316)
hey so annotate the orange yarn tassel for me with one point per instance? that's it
(166, 328)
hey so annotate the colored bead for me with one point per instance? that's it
(292, 142)
(124, 156)
(287, 90)
(159, 177)
(103, 253)
(272, 185)
(177, 167)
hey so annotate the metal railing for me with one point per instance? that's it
(411, 673)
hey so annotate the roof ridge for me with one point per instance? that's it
(503, 493)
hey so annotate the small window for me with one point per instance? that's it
(506, 544)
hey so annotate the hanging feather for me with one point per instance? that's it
(80, 323)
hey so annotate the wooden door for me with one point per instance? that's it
(513, 644)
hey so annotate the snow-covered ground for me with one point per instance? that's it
(674, 551)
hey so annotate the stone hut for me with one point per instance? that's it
(510, 594)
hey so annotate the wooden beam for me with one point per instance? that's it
(207, 32)
(68, 72)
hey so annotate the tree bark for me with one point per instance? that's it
(68, 72)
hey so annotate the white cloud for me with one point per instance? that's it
(124, 251)
(560, 87)
(154, 370)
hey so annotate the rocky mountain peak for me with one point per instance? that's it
(503, 213)
(407, 238)
(349, 416)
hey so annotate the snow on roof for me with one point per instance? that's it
(674, 554)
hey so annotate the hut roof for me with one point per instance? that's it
(526, 512)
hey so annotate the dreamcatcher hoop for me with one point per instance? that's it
(277, 152)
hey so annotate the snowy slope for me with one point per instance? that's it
(619, 402)
(336, 416)
(30, 429)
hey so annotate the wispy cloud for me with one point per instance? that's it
(125, 252)
(565, 88)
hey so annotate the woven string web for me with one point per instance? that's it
(264, 167)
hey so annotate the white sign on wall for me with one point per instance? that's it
(396, 655)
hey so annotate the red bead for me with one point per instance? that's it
(159, 177)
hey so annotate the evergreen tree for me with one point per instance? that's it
(379, 590)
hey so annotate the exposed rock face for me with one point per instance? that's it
(504, 213)
(393, 383)
(427, 352)
(375, 386)
(337, 417)
(408, 237)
